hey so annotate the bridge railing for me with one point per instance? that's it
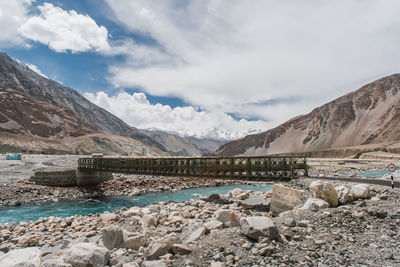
(230, 167)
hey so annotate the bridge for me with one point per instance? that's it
(260, 167)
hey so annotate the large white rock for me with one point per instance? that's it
(315, 204)
(26, 257)
(162, 246)
(149, 220)
(285, 198)
(109, 217)
(134, 240)
(55, 263)
(257, 227)
(86, 255)
(112, 237)
(325, 191)
(158, 263)
(227, 217)
(360, 191)
(344, 194)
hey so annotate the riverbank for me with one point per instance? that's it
(212, 232)
(23, 192)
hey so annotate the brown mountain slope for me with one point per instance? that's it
(92, 118)
(369, 115)
(24, 115)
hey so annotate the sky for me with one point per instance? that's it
(205, 68)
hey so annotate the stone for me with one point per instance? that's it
(289, 222)
(360, 191)
(344, 194)
(217, 199)
(55, 263)
(131, 264)
(257, 227)
(304, 223)
(109, 217)
(259, 203)
(227, 217)
(284, 199)
(213, 224)
(217, 264)
(133, 240)
(157, 263)
(325, 191)
(112, 237)
(181, 249)
(29, 257)
(86, 255)
(162, 246)
(148, 220)
(266, 251)
(196, 234)
(315, 204)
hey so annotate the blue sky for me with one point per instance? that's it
(203, 67)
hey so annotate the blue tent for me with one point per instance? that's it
(13, 157)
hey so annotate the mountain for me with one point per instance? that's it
(370, 115)
(183, 146)
(61, 113)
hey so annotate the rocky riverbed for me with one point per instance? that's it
(21, 192)
(302, 223)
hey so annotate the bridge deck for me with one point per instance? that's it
(229, 167)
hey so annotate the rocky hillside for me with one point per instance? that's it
(55, 112)
(369, 115)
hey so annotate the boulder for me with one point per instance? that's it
(344, 194)
(134, 240)
(55, 263)
(26, 257)
(86, 255)
(227, 217)
(162, 246)
(213, 224)
(158, 263)
(360, 191)
(285, 198)
(112, 237)
(148, 220)
(258, 227)
(325, 191)
(315, 204)
(196, 234)
(109, 217)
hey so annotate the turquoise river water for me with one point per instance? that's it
(80, 207)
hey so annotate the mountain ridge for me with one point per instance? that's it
(366, 116)
(44, 92)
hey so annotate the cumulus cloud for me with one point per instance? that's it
(12, 15)
(137, 111)
(65, 30)
(225, 55)
(35, 69)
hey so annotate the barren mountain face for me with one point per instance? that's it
(369, 115)
(35, 107)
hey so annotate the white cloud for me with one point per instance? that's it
(35, 69)
(65, 30)
(12, 15)
(223, 55)
(137, 111)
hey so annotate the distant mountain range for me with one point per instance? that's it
(370, 115)
(41, 115)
